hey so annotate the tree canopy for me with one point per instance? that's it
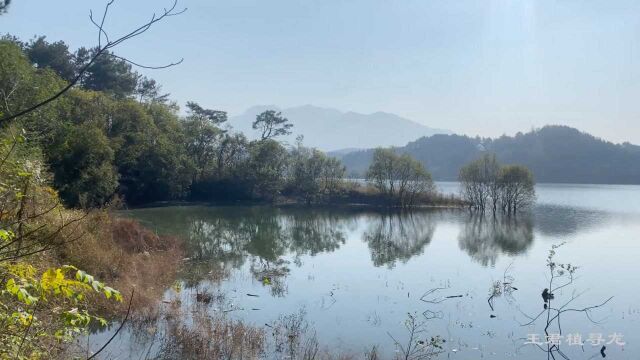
(4, 5)
(115, 133)
(272, 124)
(400, 177)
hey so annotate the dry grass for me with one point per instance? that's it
(126, 255)
(196, 334)
(209, 337)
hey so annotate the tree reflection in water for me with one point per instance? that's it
(263, 236)
(398, 236)
(267, 238)
(484, 238)
(271, 273)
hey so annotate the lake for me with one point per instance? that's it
(356, 274)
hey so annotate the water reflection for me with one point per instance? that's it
(227, 238)
(271, 234)
(214, 239)
(272, 274)
(333, 263)
(484, 238)
(555, 220)
(266, 233)
(398, 237)
(316, 232)
(230, 237)
(262, 237)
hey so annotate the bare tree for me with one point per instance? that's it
(560, 276)
(485, 183)
(517, 188)
(418, 345)
(480, 182)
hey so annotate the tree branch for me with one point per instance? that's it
(126, 317)
(101, 50)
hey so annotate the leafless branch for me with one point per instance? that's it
(147, 66)
(418, 346)
(102, 50)
(433, 300)
(554, 313)
(126, 317)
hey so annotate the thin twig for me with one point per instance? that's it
(103, 50)
(126, 317)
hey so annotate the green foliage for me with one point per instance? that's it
(150, 92)
(82, 162)
(55, 56)
(24, 331)
(117, 133)
(313, 175)
(272, 124)
(231, 154)
(214, 117)
(401, 178)
(107, 73)
(203, 136)
(23, 85)
(265, 169)
(41, 304)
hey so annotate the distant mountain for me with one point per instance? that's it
(330, 129)
(554, 153)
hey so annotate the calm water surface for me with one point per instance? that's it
(357, 273)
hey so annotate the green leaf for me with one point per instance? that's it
(6, 235)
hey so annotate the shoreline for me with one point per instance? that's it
(293, 204)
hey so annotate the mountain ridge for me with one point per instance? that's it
(555, 153)
(330, 129)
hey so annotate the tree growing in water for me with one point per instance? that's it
(517, 188)
(486, 183)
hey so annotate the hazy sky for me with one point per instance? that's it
(483, 67)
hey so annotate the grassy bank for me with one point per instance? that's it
(65, 270)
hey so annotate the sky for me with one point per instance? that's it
(476, 67)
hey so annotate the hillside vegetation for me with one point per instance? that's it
(111, 137)
(553, 153)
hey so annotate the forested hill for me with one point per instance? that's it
(554, 154)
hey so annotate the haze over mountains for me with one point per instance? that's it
(557, 154)
(330, 129)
